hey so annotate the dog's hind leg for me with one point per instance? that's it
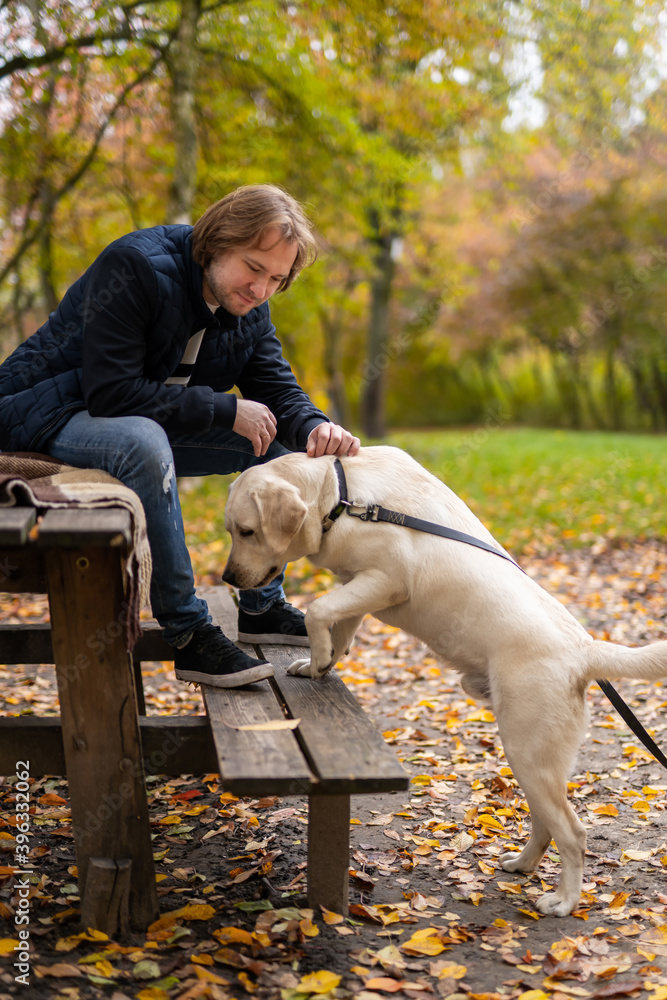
(541, 751)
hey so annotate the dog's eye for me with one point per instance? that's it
(246, 532)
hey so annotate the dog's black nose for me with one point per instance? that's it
(228, 577)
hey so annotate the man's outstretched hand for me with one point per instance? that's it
(255, 422)
(331, 439)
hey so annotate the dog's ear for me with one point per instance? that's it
(281, 512)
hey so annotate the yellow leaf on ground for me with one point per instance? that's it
(330, 917)
(266, 727)
(210, 977)
(423, 946)
(557, 984)
(482, 715)
(106, 969)
(195, 911)
(486, 820)
(319, 982)
(7, 945)
(452, 972)
(237, 934)
(308, 928)
(248, 984)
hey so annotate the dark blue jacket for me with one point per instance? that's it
(121, 330)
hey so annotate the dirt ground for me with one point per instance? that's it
(432, 912)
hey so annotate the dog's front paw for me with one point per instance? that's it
(306, 668)
(300, 668)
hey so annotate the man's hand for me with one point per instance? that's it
(255, 422)
(331, 439)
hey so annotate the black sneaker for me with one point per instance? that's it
(281, 623)
(211, 658)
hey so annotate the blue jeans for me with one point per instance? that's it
(138, 452)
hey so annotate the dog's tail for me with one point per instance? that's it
(610, 661)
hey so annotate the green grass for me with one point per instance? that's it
(535, 489)
(547, 488)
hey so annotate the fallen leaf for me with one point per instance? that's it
(61, 970)
(385, 984)
(266, 727)
(319, 982)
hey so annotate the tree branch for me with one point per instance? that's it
(76, 175)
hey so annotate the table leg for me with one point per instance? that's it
(328, 851)
(100, 728)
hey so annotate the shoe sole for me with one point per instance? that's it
(238, 679)
(277, 638)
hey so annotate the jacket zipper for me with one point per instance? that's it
(45, 430)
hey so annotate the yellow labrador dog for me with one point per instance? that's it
(514, 644)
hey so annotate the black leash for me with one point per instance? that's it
(374, 512)
(632, 721)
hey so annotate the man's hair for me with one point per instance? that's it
(242, 219)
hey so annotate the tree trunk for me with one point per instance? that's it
(183, 69)
(338, 408)
(615, 404)
(372, 397)
(45, 246)
(660, 385)
(44, 184)
(569, 391)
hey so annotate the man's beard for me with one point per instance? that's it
(235, 302)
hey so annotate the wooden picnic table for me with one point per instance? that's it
(105, 744)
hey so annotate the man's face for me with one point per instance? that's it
(242, 279)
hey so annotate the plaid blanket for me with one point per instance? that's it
(30, 480)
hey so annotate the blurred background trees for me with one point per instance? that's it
(487, 180)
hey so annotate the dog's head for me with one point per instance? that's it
(264, 514)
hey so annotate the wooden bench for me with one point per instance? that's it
(104, 742)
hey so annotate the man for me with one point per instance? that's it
(132, 373)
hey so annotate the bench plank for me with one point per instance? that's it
(223, 610)
(15, 523)
(362, 761)
(73, 528)
(250, 762)
(171, 744)
(31, 643)
(253, 762)
(25, 643)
